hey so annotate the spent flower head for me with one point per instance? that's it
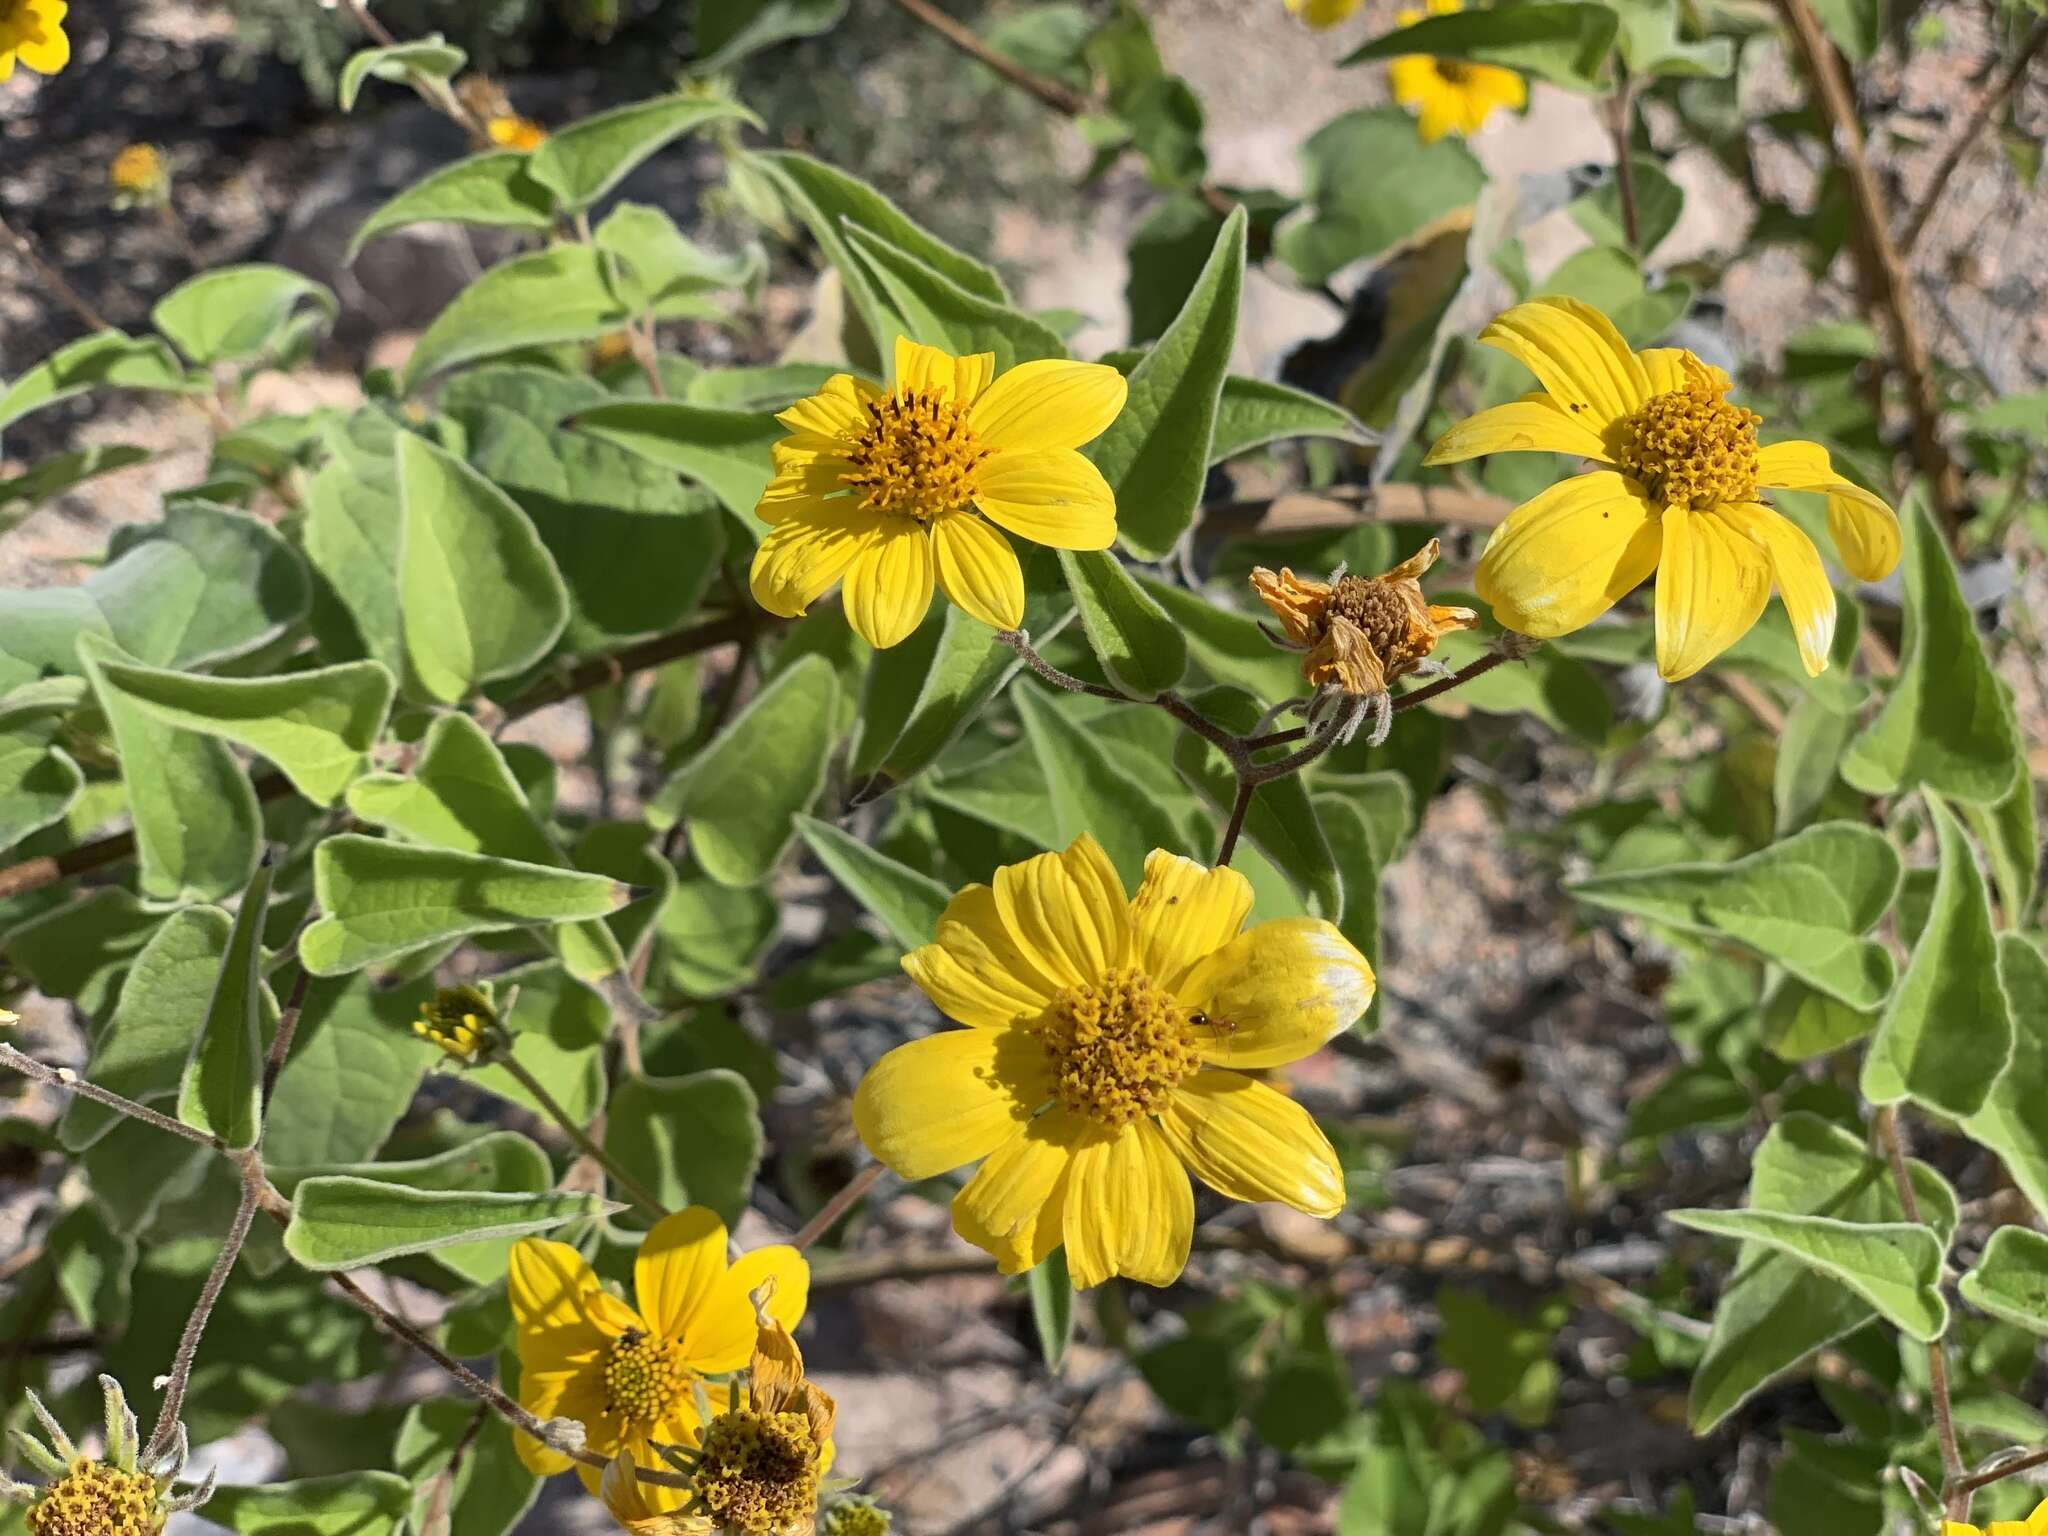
(113, 1494)
(463, 1022)
(1359, 633)
(32, 32)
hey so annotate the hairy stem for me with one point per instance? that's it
(829, 1213)
(1955, 1489)
(71, 1082)
(552, 1108)
(253, 1183)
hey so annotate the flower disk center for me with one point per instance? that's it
(916, 457)
(1689, 447)
(644, 1377)
(759, 1471)
(93, 1499)
(1455, 71)
(1376, 610)
(1119, 1047)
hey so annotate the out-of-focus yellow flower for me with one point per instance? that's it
(1106, 1054)
(140, 175)
(515, 132)
(1360, 633)
(1324, 13)
(893, 491)
(33, 32)
(612, 347)
(1450, 95)
(631, 1374)
(1676, 493)
(2035, 1524)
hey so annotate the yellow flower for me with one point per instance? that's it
(1360, 632)
(1675, 493)
(462, 1022)
(33, 32)
(882, 488)
(1102, 1052)
(114, 1495)
(2035, 1524)
(138, 172)
(1450, 95)
(1324, 13)
(512, 131)
(630, 1374)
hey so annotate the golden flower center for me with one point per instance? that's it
(1119, 1047)
(644, 1378)
(1689, 447)
(1455, 71)
(93, 1499)
(916, 457)
(758, 1472)
(1376, 610)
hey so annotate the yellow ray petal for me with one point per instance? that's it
(1129, 1210)
(49, 53)
(1277, 993)
(1057, 499)
(800, 488)
(971, 375)
(1067, 912)
(1048, 405)
(977, 569)
(838, 411)
(780, 1266)
(1563, 558)
(802, 557)
(889, 584)
(1577, 354)
(977, 972)
(1026, 1247)
(1712, 584)
(1251, 1142)
(1534, 425)
(1666, 369)
(1007, 1195)
(545, 1283)
(1863, 525)
(950, 1099)
(1183, 913)
(924, 369)
(1802, 580)
(679, 1265)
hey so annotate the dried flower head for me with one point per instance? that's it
(1360, 633)
(463, 1021)
(108, 1495)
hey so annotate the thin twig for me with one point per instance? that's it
(1066, 682)
(1955, 1492)
(52, 279)
(1240, 807)
(1992, 104)
(71, 1082)
(829, 1213)
(287, 1027)
(1061, 98)
(2026, 1463)
(1620, 123)
(202, 1310)
(552, 1108)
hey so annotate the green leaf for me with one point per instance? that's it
(2010, 1122)
(489, 1487)
(1566, 44)
(1356, 209)
(1090, 793)
(106, 359)
(1229, 647)
(491, 190)
(1140, 647)
(1801, 902)
(479, 594)
(81, 950)
(1809, 760)
(1894, 1265)
(729, 30)
(340, 1222)
(906, 901)
(141, 1050)
(535, 300)
(1650, 44)
(1799, 1024)
(359, 1503)
(1155, 455)
(38, 783)
(220, 1091)
(1505, 1361)
(316, 726)
(21, 494)
(693, 1140)
(382, 899)
(582, 162)
(354, 1068)
(1948, 1032)
(1254, 412)
(726, 451)
(930, 307)
(196, 819)
(425, 58)
(1774, 1311)
(1052, 1307)
(665, 273)
(712, 935)
(1947, 724)
(741, 795)
(2011, 1280)
(2010, 831)
(1660, 202)
(234, 313)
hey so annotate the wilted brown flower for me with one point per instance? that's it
(1360, 632)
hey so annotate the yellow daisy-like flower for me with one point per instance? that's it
(1105, 1054)
(33, 32)
(1676, 493)
(463, 1022)
(894, 490)
(512, 131)
(2035, 1524)
(630, 1374)
(1450, 95)
(139, 173)
(1324, 13)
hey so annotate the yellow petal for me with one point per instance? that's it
(1324, 13)
(978, 570)
(1577, 354)
(1277, 993)
(1863, 525)
(1026, 1247)
(1067, 912)
(1057, 499)
(926, 370)
(839, 411)
(1048, 405)
(801, 558)
(949, 1099)
(977, 972)
(1129, 1210)
(1251, 1142)
(1007, 1195)
(800, 488)
(48, 54)
(679, 1265)
(1666, 369)
(783, 1269)
(1521, 426)
(1802, 579)
(1183, 913)
(1712, 584)
(889, 585)
(545, 1283)
(1563, 558)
